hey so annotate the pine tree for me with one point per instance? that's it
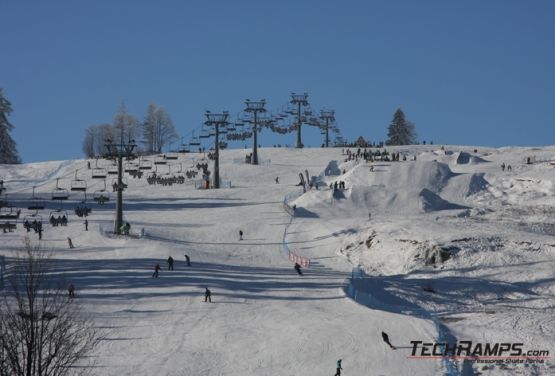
(8, 149)
(401, 131)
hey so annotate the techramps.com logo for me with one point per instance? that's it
(478, 352)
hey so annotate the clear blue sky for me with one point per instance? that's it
(465, 72)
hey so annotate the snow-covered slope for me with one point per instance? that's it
(480, 238)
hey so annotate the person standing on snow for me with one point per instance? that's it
(207, 296)
(170, 263)
(240, 234)
(86, 225)
(188, 260)
(156, 270)
(298, 268)
(338, 368)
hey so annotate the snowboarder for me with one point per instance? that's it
(86, 225)
(339, 368)
(170, 263)
(70, 243)
(207, 296)
(71, 290)
(386, 340)
(240, 234)
(298, 268)
(156, 270)
(188, 260)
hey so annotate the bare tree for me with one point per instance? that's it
(157, 129)
(42, 330)
(125, 124)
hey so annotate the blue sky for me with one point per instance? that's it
(465, 72)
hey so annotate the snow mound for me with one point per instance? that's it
(431, 201)
(466, 158)
(476, 184)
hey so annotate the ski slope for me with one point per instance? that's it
(496, 285)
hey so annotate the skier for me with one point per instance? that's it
(86, 225)
(503, 166)
(70, 243)
(188, 260)
(298, 268)
(386, 340)
(277, 179)
(339, 368)
(170, 263)
(156, 270)
(240, 234)
(207, 296)
(71, 290)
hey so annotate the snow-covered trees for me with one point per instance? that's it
(95, 139)
(125, 124)
(401, 131)
(157, 129)
(8, 149)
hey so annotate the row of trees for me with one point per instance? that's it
(8, 148)
(154, 133)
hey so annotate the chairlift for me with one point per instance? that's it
(59, 193)
(36, 203)
(204, 134)
(185, 149)
(172, 156)
(99, 173)
(101, 196)
(32, 217)
(131, 167)
(145, 164)
(113, 170)
(160, 160)
(78, 184)
(58, 215)
(9, 213)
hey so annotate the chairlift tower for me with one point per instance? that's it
(300, 100)
(118, 151)
(255, 107)
(216, 121)
(328, 116)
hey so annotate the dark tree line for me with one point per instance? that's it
(8, 148)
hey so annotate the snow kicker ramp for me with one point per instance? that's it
(402, 187)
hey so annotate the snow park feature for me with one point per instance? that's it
(455, 251)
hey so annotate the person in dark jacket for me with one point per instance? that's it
(188, 260)
(298, 268)
(156, 270)
(207, 296)
(240, 234)
(170, 263)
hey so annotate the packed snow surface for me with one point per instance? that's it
(444, 246)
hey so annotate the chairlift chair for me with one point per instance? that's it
(101, 196)
(160, 160)
(79, 185)
(9, 214)
(145, 164)
(36, 203)
(99, 173)
(204, 134)
(113, 170)
(59, 193)
(171, 156)
(131, 167)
